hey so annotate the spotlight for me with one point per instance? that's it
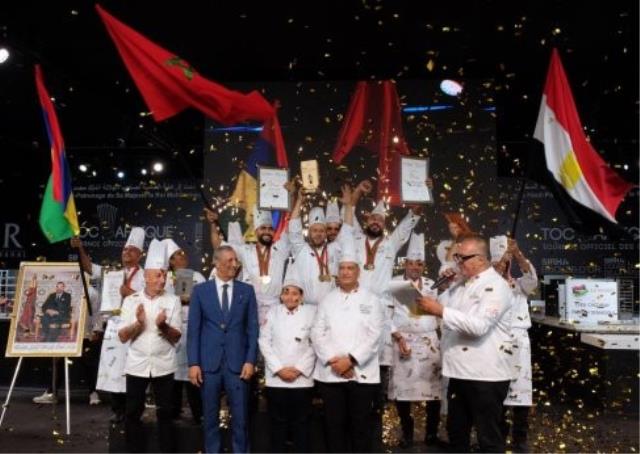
(4, 54)
(83, 168)
(120, 174)
(451, 87)
(158, 167)
(143, 171)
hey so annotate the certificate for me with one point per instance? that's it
(310, 176)
(272, 194)
(413, 175)
(111, 299)
(184, 282)
(405, 293)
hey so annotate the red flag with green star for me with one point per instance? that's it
(169, 84)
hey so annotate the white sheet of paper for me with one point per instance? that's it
(498, 247)
(272, 192)
(405, 293)
(414, 174)
(111, 282)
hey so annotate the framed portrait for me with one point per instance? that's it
(49, 312)
(272, 194)
(413, 174)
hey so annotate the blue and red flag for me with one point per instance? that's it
(267, 151)
(58, 216)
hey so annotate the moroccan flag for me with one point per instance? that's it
(267, 151)
(58, 217)
(169, 84)
(571, 159)
(374, 121)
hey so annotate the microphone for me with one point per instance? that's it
(442, 280)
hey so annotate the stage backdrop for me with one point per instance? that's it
(456, 133)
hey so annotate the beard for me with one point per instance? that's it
(265, 240)
(373, 231)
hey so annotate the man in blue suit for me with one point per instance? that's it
(222, 344)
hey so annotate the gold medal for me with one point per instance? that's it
(265, 279)
(325, 278)
(369, 266)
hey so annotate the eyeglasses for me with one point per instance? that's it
(463, 258)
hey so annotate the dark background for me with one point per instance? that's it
(244, 44)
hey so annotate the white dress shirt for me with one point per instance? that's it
(477, 343)
(348, 323)
(220, 289)
(285, 341)
(150, 354)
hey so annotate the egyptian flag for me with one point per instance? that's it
(58, 216)
(374, 121)
(268, 150)
(169, 84)
(570, 158)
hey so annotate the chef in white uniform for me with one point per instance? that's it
(263, 263)
(477, 348)
(333, 220)
(416, 372)
(520, 394)
(346, 338)
(316, 260)
(151, 325)
(113, 353)
(178, 259)
(285, 344)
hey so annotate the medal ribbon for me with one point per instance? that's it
(371, 251)
(129, 278)
(263, 259)
(323, 260)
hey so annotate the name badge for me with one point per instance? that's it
(365, 309)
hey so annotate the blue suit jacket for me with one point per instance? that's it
(210, 336)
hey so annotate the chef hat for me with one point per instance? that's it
(136, 238)
(415, 250)
(292, 278)
(157, 256)
(333, 213)
(261, 217)
(348, 252)
(498, 247)
(316, 216)
(380, 209)
(171, 246)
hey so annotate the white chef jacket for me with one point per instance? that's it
(522, 287)
(150, 354)
(285, 341)
(306, 262)
(113, 353)
(377, 279)
(266, 294)
(477, 341)
(348, 323)
(182, 363)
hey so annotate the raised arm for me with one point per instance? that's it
(214, 228)
(85, 260)
(403, 230)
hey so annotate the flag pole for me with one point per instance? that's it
(518, 206)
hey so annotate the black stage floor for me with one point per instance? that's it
(41, 428)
